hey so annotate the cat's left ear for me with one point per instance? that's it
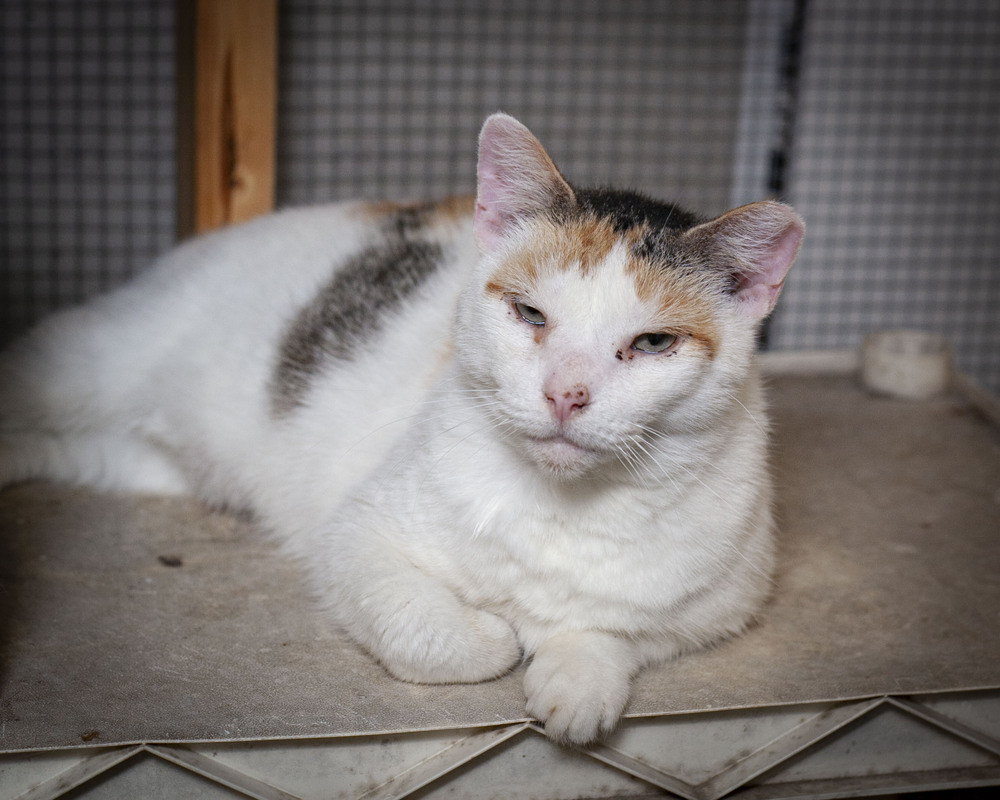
(516, 180)
(757, 244)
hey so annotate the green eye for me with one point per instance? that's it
(529, 314)
(654, 342)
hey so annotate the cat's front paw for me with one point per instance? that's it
(578, 684)
(465, 645)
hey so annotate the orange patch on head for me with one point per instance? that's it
(586, 243)
(576, 244)
(684, 302)
(515, 276)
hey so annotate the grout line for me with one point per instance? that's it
(217, 772)
(455, 755)
(644, 772)
(789, 744)
(946, 723)
(775, 752)
(84, 770)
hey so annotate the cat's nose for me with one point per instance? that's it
(566, 402)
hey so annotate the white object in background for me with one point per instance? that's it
(904, 363)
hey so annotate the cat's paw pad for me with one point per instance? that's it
(466, 647)
(577, 693)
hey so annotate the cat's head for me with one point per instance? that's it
(598, 322)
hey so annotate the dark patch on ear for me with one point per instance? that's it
(354, 304)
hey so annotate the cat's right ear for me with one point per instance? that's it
(756, 244)
(516, 180)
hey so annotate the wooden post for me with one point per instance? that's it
(227, 87)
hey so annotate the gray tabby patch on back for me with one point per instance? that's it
(353, 305)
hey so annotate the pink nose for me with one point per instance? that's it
(567, 402)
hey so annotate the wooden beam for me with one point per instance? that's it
(227, 89)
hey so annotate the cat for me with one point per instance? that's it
(521, 428)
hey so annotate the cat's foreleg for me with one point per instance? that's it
(578, 683)
(413, 624)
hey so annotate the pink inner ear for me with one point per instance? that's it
(492, 215)
(517, 179)
(758, 288)
(757, 244)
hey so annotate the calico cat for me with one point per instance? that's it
(527, 427)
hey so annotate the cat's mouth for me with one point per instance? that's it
(561, 455)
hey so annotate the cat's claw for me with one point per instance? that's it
(576, 688)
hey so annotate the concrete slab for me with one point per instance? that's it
(126, 619)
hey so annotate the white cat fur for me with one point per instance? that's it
(452, 521)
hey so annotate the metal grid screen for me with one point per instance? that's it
(385, 99)
(880, 122)
(87, 169)
(896, 168)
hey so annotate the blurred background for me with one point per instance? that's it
(879, 121)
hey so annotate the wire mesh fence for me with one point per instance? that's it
(878, 121)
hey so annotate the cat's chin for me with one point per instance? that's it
(562, 457)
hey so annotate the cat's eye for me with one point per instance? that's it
(529, 314)
(654, 342)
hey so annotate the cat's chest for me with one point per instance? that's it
(607, 564)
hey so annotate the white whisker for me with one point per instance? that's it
(732, 396)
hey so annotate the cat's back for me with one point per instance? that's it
(233, 295)
(224, 339)
(255, 279)
(201, 292)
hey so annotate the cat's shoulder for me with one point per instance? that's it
(409, 218)
(305, 223)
